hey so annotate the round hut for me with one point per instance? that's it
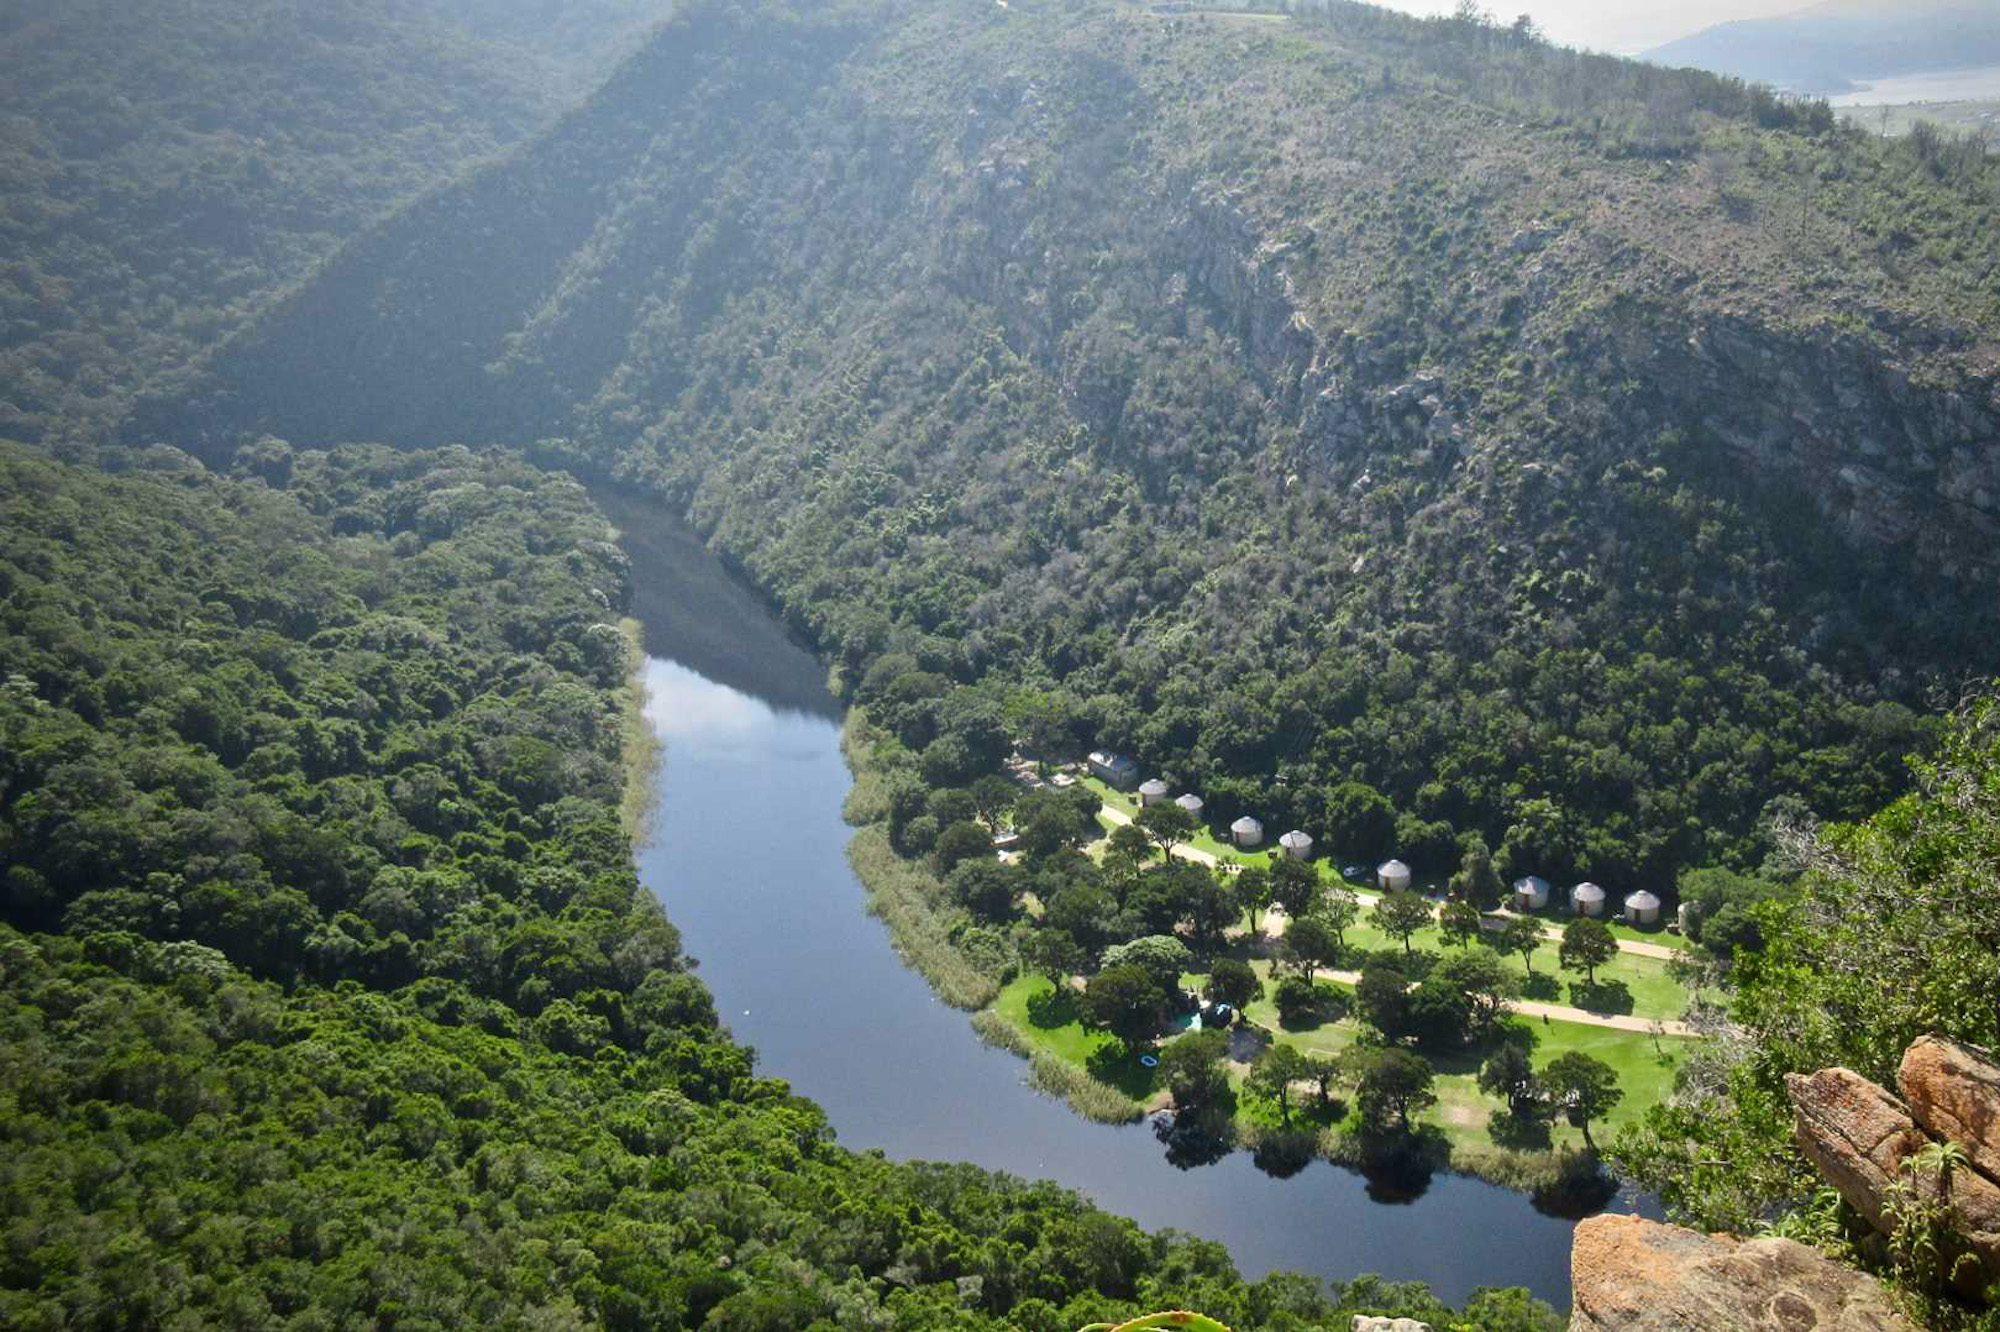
(1152, 791)
(1587, 899)
(1642, 908)
(1684, 917)
(1192, 804)
(1393, 876)
(1531, 893)
(1246, 832)
(1297, 845)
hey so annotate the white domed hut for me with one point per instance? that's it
(1587, 899)
(1642, 908)
(1531, 893)
(1297, 845)
(1393, 876)
(1152, 791)
(1246, 832)
(1192, 804)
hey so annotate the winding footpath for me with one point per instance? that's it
(1274, 919)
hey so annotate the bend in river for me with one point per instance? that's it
(749, 859)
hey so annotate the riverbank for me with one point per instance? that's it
(639, 746)
(1090, 1071)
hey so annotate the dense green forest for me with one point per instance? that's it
(1588, 457)
(168, 167)
(328, 996)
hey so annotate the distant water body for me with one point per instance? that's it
(1958, 85)
(748, 857)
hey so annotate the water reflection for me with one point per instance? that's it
(749, 861)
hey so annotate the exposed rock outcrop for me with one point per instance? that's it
(1630, 1273)
(1955, 1094)
(1376, 1323)
(1867, 1144)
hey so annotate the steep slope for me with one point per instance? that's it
(1828, 47)
(1585, 454)
(169, 165)
(328, 993)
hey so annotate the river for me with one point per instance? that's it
(748, 858)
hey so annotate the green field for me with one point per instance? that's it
(1473, 1123)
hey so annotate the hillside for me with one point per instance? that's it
(169, 166)
(328, 994)
(1590, 457)
(1833, 46)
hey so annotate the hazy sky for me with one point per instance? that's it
(1624, 26)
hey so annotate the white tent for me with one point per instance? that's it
(1191, 803)
(1587, 899)
(1152, 791)
(1642, 908)
(1297, 845)
(1393, 876)
(1246, 832)
(1531, 893)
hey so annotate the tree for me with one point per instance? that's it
(1253, 892)
(1310, 944)
(1195, 1074)
(1304, 1002)
(1049, 822)
(1382, 997)
(1167, 824)
(1393, 1082)
(1210, 905)
(985, 887)
(1053, 953)
(1163, 956)
(1509, 1074)
(1340, 909)
(1586, 1088)
(1477, 880)
(959, 843)
(1126, 852)
(993, 798)
(1273, 1074)
(1359, 819)
(1458, 921)
(1402, 914)
(1479, 975)
(1232, 981)
(1330, 1071)
(1587, 944)
(1126, 1001)
(1295, 886)
(1520, 934)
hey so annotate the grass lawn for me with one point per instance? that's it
(1050, 1023)
(1628, 984)
(1476, 1122)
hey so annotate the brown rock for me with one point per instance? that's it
(1859, 1136)
(1630, 1273)
(1856, 1134)
(1955, 1093)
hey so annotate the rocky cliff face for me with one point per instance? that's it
(1930, 1159)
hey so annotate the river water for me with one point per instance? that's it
(748, 858)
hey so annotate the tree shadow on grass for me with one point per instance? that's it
(1115, 1066)
(1053, 1008)
(1604, 997)
(1519, 1133)
(1540, 985)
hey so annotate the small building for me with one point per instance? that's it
(1006, 840)
(1587, 899)
(1113, 769)
(1152, 791)
(1246, 832)
(1392, 876)
(1684, 917)
(1192, 804)
(1642, 908)
(1297, 845)
(1531, 893)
